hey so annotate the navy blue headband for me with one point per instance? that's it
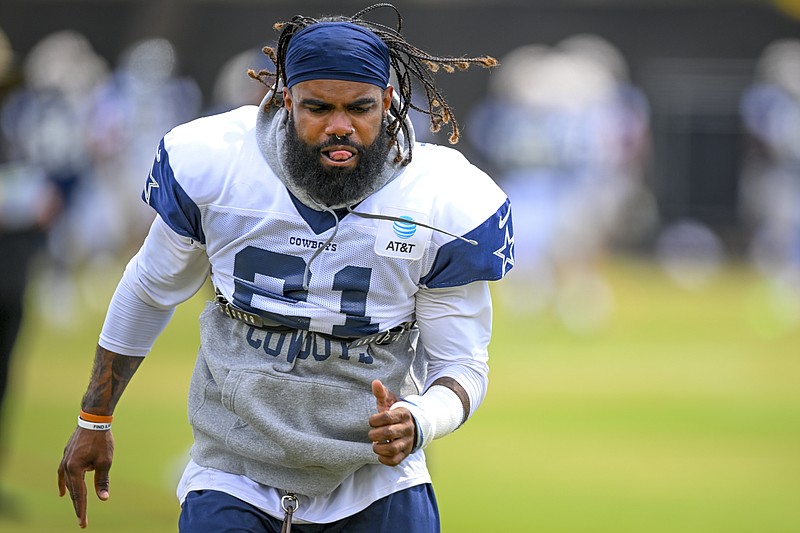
(337, 51)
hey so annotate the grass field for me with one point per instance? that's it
(682, 415)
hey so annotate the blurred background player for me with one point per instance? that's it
(29, 201)
(46, 123)
(142, 99)
(233, 87)
(770, 186)
(567, 135)
(770, 180)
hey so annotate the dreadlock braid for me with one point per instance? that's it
(408, 62)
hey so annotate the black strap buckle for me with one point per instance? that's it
(384, 337)
(234, 312)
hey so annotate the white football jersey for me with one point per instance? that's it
(348, 275)
(411, 250)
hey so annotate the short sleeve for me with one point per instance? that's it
(163, 193)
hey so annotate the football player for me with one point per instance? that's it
(352, 312)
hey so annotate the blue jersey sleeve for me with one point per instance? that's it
(163, 193)
(458, 262)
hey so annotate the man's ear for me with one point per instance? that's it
(387, 98)
(287, 99)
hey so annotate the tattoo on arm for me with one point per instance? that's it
(110, 376)
(456, 387)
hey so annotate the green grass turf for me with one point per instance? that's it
(681, 415)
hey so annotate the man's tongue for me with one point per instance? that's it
(340, 155)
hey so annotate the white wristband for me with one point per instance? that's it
(94, 425)
(437, 413)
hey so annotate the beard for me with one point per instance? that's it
(334, 186)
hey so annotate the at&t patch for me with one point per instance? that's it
(402, 238)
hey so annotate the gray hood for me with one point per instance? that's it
(271, 135)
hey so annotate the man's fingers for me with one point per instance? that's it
(384, 398)
(77, 491)
(102, 484)
(392, 436)
(391, 432)
(381, 396)
(388, 418)
(62, 484)
(86, 451)
(101, 487)
(390, 453)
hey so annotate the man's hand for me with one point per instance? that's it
(392, 432)
(86, 450)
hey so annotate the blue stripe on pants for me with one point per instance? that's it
(413, 510)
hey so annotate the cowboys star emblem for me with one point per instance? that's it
(151, 184)
(506, 252)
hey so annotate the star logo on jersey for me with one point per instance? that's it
(148, 189)
(506, 252)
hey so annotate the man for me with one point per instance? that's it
(353, 311)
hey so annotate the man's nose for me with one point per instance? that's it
(340, 126)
